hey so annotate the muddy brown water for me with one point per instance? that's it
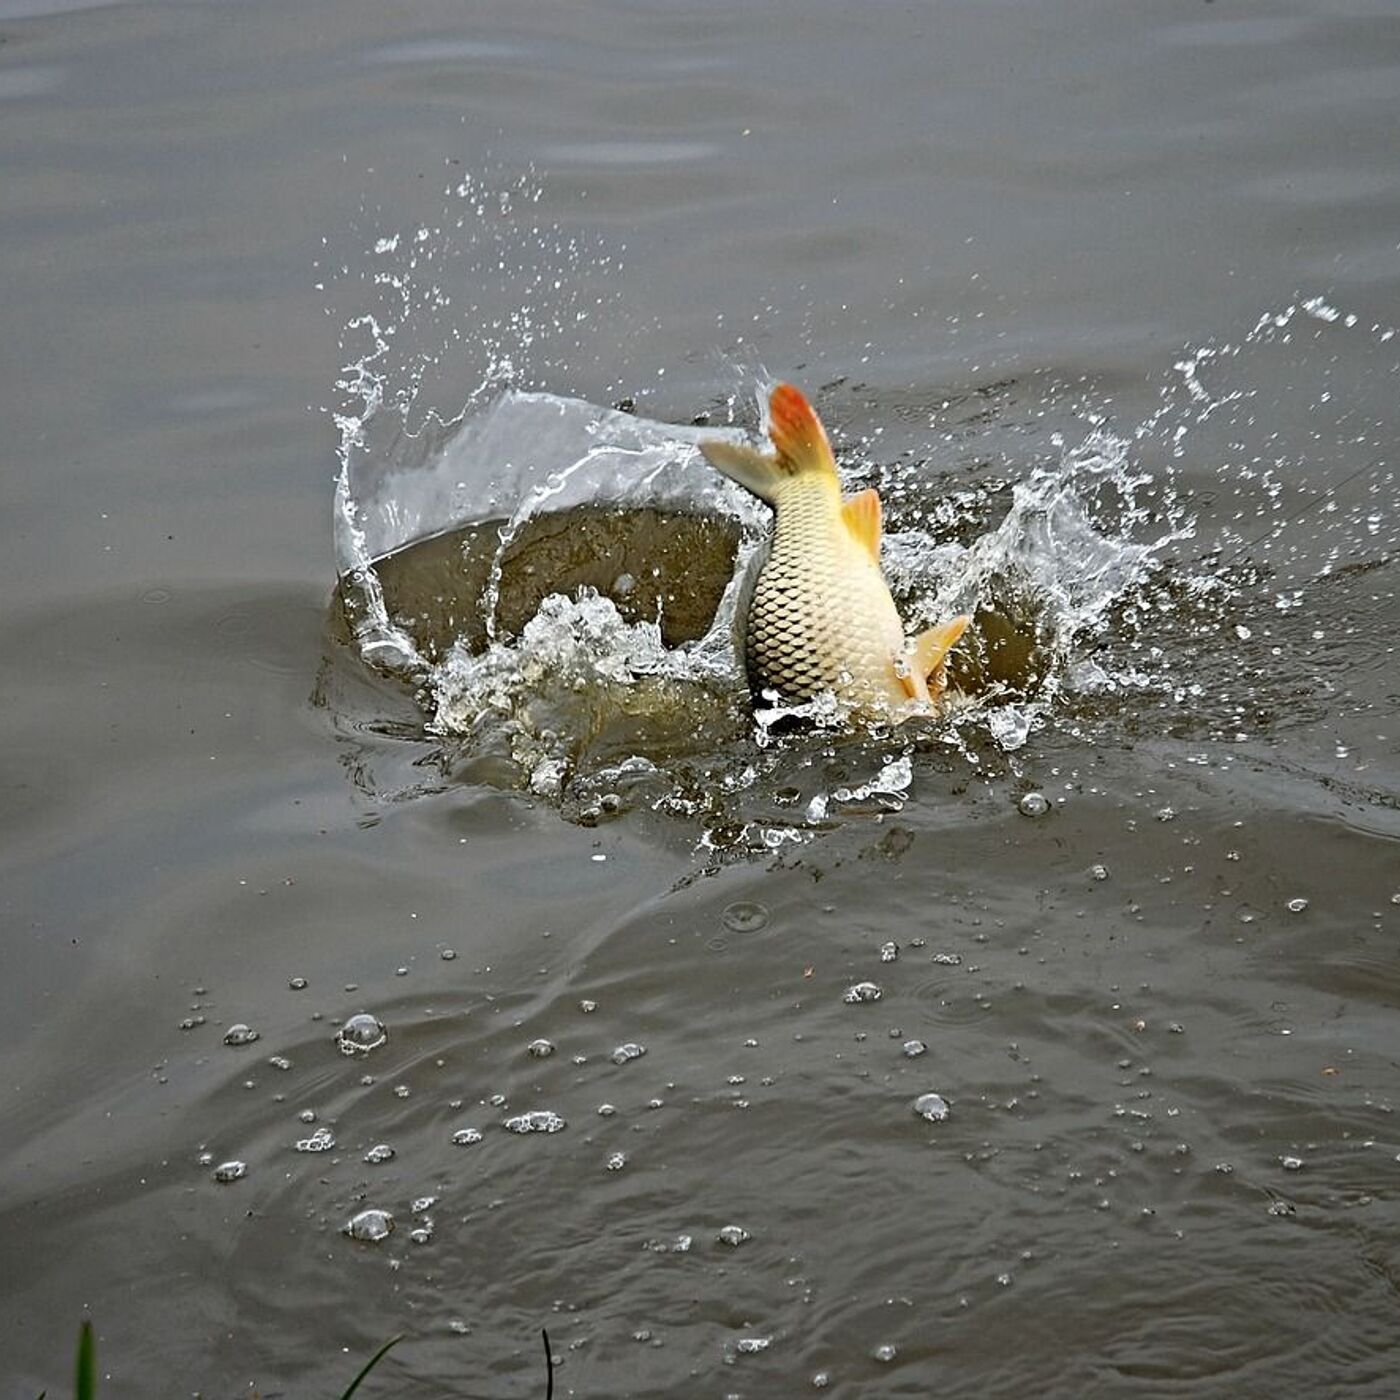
(1165, 1014)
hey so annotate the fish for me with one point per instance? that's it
(816, 615)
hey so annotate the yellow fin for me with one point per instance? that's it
(747, 465)
(861, 513)
(797, 432)
(932, 647)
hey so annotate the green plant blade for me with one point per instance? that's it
(85, 1380)
(371, 1364)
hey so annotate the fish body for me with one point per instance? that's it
(819, 616)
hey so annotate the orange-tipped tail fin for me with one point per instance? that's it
(862, 516)
(797, 432)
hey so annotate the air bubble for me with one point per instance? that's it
(540, 1120)
(629, 1051)
(360, 1034)
(226, 1172)
(933, 1107)
(465, 1137)
(322, 1140)
(541, 1049)
(380, 1153)
(1033, 804)
(239, 1034)
(862, 992)
(370, 1225)
(733, 1236)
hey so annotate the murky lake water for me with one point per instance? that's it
(1102, 300)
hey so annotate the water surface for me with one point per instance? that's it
(1105, 303)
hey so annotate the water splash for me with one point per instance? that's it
(1086, 574)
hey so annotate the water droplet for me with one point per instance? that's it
(630, 1051)
(913, 1048)
(1282, 1208)
(886, 1351)
(617, 1161)
(1166, 814)
(933, 1107)
(1099, 872)
(1291, 1164)
(371, 1225)
(541, 1049)
(586, 1006)
(230, 1171)
(239, 1034)
(747, 1346)
(422, 1234)
(322, 1140)
(279, 1062)
(821, 1380)
(606, 1110)
(464, 1137)
(744, 916)
(1296, 906)
(889, 952)
(862, 992)
(1033, 804)
(298, 984)
(448, 954)
(733, 1236)
(380, 1153)
(540, 1120)
(361, 1033)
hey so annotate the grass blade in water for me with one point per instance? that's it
(371, 1364)
(85, 1380)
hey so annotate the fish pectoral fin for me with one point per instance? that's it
(932, 647)
(861, 513)
(754, 470)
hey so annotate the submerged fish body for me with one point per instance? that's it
(819, 616)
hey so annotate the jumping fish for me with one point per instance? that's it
(819, 616)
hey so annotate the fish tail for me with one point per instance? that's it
(797, 432)
(797, 435)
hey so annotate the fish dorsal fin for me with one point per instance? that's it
(861, 513)
(932, 647)
(797, 432)
(752, 469)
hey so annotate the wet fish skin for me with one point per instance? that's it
(820, 616)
